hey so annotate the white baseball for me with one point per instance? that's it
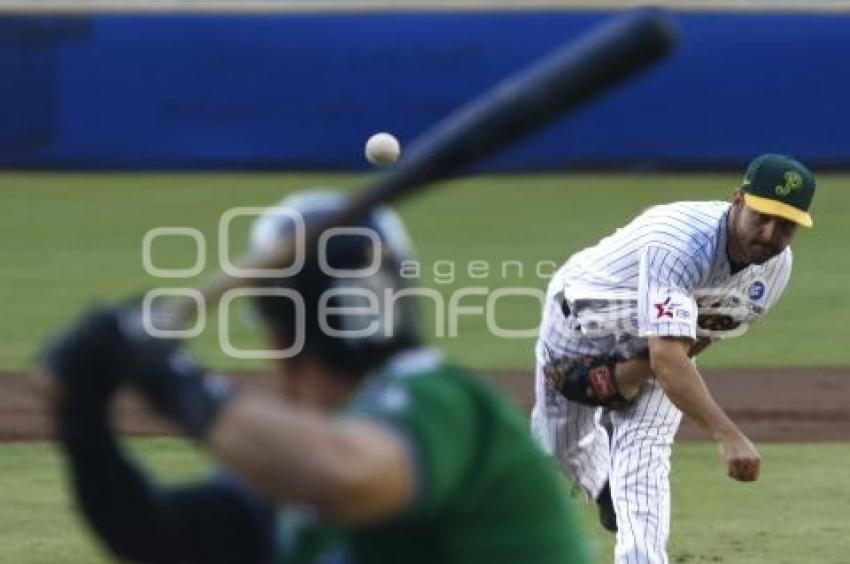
(382, 149)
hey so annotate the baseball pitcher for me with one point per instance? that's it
(622, 324)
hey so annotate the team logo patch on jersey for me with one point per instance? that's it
(756, 290)
(671, 309)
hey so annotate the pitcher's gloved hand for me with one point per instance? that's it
(589, 380)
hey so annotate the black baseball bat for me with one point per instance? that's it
(562, 81)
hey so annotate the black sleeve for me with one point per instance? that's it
(217, 521)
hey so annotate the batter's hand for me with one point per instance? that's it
(77, 373)
(80, 360)
(742, 459)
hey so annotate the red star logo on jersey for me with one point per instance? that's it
(663, 309)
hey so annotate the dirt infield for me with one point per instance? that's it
(770, 404)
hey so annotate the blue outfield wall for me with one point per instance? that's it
(303, 91)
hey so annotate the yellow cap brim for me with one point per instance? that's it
(777, 208)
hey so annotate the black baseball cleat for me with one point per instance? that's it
(607, 515)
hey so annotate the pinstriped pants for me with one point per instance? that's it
(636, 458)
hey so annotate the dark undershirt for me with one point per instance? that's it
(216, 521)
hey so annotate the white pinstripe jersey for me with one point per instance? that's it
(667, 274)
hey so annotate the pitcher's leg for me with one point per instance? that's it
(640, 476)
(573, 434)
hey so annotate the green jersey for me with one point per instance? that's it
(485, 492)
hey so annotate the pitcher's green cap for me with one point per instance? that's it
(781, 186)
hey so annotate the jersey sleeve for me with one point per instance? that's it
(778, 280)
(437, 419)
(666, 306)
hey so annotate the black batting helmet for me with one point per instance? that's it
(353, 311)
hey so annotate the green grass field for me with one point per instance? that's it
(74, 238)
(70, 239)
(38, 523)
(796, 513)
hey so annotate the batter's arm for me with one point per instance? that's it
(351, 470)
(686, 388)
(216, 521)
